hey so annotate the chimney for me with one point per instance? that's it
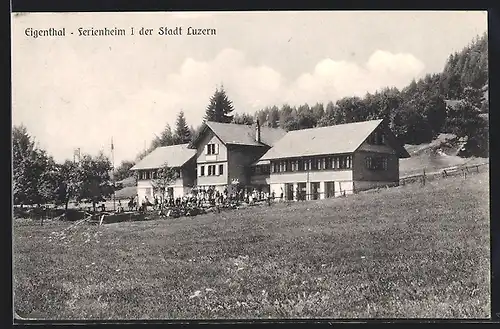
(257, 131)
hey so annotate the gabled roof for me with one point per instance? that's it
(231, 133)
(174, 156)
(338, 139)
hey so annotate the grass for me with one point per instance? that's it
(426, 156)
(402, 252)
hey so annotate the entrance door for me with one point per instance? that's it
(289, 191)
(329, 189)
(315, 191)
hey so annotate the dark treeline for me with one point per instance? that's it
(416, 113)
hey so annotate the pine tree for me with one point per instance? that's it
(166, 137)
(182, 133)
(219, 108)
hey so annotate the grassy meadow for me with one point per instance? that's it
(408, 251)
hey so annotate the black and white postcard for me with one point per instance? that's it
(250, 165)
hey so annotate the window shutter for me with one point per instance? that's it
(216, 148)
(206, 149)
(216, 170)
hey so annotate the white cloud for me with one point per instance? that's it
(84, 103)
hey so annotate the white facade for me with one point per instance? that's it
(145, 189)
(339, 183)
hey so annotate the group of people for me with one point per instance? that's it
(202, 198)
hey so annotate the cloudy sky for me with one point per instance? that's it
(80, 91)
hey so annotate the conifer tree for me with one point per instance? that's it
(182, 132)
(220, 107)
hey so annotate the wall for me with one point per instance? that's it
(188, 173)
(314, 176)
(240, 158)
(260, 179)
(210, 138)
(366, 185)
(377, 148)
(361, 173)
(342, 181)
(144, 185)
(216, 159)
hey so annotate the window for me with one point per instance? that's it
(342, 163)
(211, 170)
(329, 189)
(328, 163)
(202, 170)
(221, 169)
(376, 163)
(212, 149)
(384, 163)
(315, 191)
(274, 167)
(349, 162)
(376, 138)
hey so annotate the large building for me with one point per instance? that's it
(179, 157)
(311, 163)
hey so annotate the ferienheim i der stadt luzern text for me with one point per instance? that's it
(115, 31)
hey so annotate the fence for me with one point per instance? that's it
(427, 175)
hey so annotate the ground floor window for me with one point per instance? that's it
(315, 191)
(329, 189)
(301, 191)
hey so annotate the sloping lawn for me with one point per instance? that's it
(403, 252)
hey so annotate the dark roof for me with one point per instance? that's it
(338, 139)
(174, 155)
(230, 133)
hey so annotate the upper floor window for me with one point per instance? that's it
(212, 149)
(376, 138)
(376, 163)
(313, 163)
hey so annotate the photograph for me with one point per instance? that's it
(250, 165)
